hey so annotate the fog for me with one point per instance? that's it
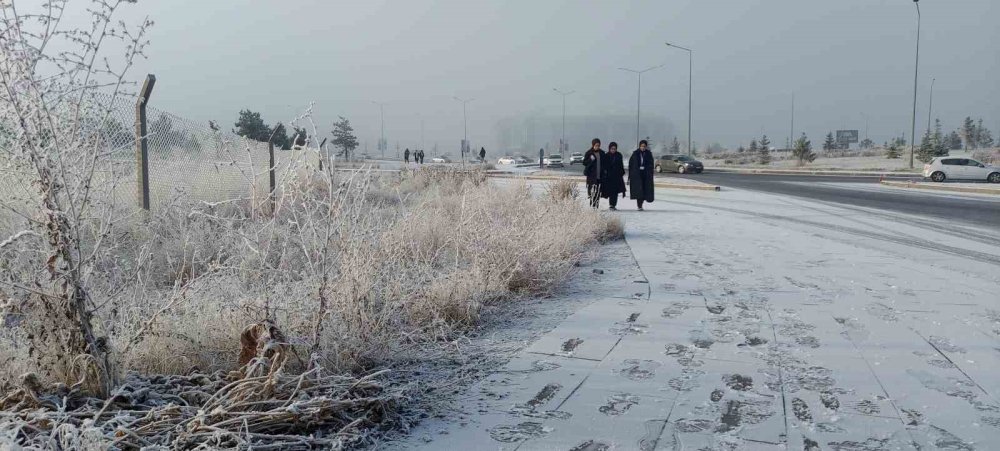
(844, 60)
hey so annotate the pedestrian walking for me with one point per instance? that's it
(406, 155)
(541, 158)
(640, 174)
(594, 164)
(613, 184)
(482, 154)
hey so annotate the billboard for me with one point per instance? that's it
(847, 136)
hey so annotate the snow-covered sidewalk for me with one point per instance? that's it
(752, 321)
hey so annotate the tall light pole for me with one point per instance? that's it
(916, 67)
(791, 132)
(690, 88)
(381, 109)
(563, 94)
(638, 98)
(930, 107)
(465, 121)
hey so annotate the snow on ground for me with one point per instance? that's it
(879, 162)
(756, 321)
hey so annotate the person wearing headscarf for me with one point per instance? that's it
(594, 164)
(640, 174)
(613, 184)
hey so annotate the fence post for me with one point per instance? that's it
(270, 171)
(141, 144)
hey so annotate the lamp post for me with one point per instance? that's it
(638, 99)
(465, 122)
(381, 109)
(690, 88)
(930, 106)
(563, 94)
(916, 67)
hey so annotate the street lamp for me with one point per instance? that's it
(930, 106)
(916, 67)
(638, 99)
(465, 121)
(563, 94)
(690, 89)
(381, 143)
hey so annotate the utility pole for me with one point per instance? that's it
(916, 68)
(638, 99)
(465, 121)
(563, 94)
(382, 143)
(690, 86)
(930, 107)
(791, 133)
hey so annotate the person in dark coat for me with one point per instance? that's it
(640, 174)
(482, 154)
(406, 155)
(595, 168)
(613, 184)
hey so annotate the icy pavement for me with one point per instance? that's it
(755, 321)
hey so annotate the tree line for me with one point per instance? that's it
(250, 125)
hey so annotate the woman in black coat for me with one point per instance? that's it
(613, 183)
(640, 174)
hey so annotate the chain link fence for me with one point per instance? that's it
(188, 161)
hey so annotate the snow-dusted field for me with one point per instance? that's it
(877, 163)
(753, 321)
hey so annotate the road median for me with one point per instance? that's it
(957, 188)
(815, 172)
(659, 183)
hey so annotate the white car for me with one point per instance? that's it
(441, 159)
(943, 168)
(507, 160)
(553, 161)
(576, 158)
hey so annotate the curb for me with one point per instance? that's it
(817, 173)
(958, 189)
(701, 187)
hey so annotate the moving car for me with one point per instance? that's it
(553, 161)
(507, 160)
(681, 164)
(575, 158)
(943, 168)
(441, 159)
(521, 159)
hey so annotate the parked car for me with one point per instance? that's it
(507, 160)
(943, 168)
(521, 159)
(575, 158)
(441, 159)
(553, 161)
(681, 164)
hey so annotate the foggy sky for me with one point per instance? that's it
(843, 60)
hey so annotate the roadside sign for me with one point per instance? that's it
(847, 136)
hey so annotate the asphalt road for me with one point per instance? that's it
(975, 210)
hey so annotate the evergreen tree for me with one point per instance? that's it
(299, 136)
(753, 147)
(829, 143)
(251, 126)
(926, 151)
(279, 136)
(764, 154)
(343, 137)
(892, 150)
(968, 132)
(675, 147)
(940, 147)
(983, 136)
(953, 141)
(803, 150)
(866, 144)
(741, 149)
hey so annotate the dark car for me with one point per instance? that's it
(681, 164)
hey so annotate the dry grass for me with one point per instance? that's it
(358, 271)
(563, 189)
